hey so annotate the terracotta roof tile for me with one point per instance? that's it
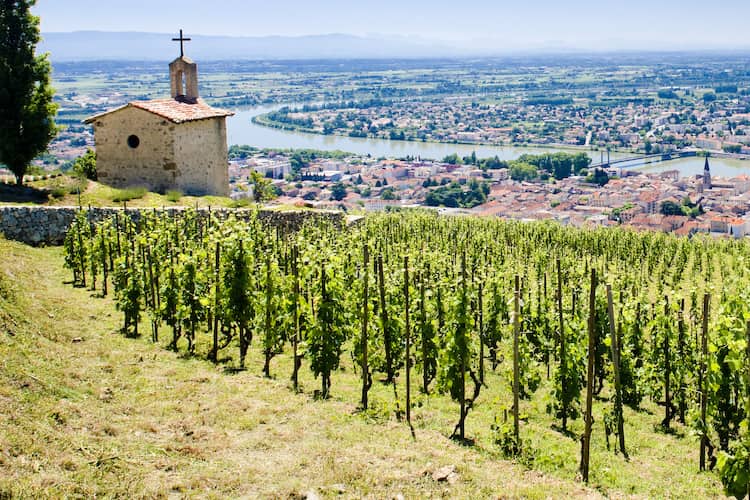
(173, 110)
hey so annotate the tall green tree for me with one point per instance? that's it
(26, 108)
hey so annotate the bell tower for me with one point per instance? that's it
(707, 175)
(183, 73)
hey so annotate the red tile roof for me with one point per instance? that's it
(173, 110)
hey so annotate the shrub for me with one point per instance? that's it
(174, 195)
(128, 194)
(240, 203)
(85, 166)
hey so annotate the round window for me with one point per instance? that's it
(134, 141)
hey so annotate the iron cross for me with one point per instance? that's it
(182, 41)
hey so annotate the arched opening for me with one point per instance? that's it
(180, 90)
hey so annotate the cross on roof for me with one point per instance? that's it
(182, 41)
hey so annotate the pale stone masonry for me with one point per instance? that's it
(164, 144)
(48, 225)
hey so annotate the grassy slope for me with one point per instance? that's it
(95, 194)
(117, 417)
(99, 195)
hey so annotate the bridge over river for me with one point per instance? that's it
(643, 160)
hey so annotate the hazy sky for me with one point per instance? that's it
(606, 24)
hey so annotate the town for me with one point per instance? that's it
(653, 121)
(662, 201)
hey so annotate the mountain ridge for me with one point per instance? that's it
(143, 46)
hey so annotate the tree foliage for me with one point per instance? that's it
(26, 108)
(85, 166)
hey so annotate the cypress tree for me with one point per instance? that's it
(26, 108)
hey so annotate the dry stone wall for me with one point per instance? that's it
(48, 225)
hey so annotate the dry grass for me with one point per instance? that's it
(90, 413)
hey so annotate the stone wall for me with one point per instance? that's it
(48, 225)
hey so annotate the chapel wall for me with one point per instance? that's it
(200, 150)
(150, 164)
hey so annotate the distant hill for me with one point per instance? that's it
(100, 45)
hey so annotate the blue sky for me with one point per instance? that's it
(585, 24)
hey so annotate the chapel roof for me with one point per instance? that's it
(172, 110)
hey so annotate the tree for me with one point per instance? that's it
(388, 194)
(561, 168)
(453, 159)
(26, 108)
(263, 188)
(669, 207)
(338, 191)
(85, 166)
(599, 176)
(581, 161)
(520, 171)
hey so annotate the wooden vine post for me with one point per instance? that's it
(423, 321)
(667, 372)
(217, 285)
(481, 333)
(407, 333)
(268, 350)
(702, 385)
(516, 370)
(104, 261)
(615, 348)
(384, 320)
(364, 340)
(462, 368)
(154, 295)
(81, 254)
(324, 377)
(563, 366)
(586, 438)
(295, 311)
(682, 408)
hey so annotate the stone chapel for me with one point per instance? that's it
(165, 144)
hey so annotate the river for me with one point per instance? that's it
(242, 130)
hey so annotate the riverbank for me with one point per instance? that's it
(242, 130)
(264, 121)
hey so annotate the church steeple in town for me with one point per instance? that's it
(707, 175)
(183, 73)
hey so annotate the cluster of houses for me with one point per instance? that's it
(651, 125)
(720, 206)
(635, 201)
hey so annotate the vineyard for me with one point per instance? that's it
(504, 317)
